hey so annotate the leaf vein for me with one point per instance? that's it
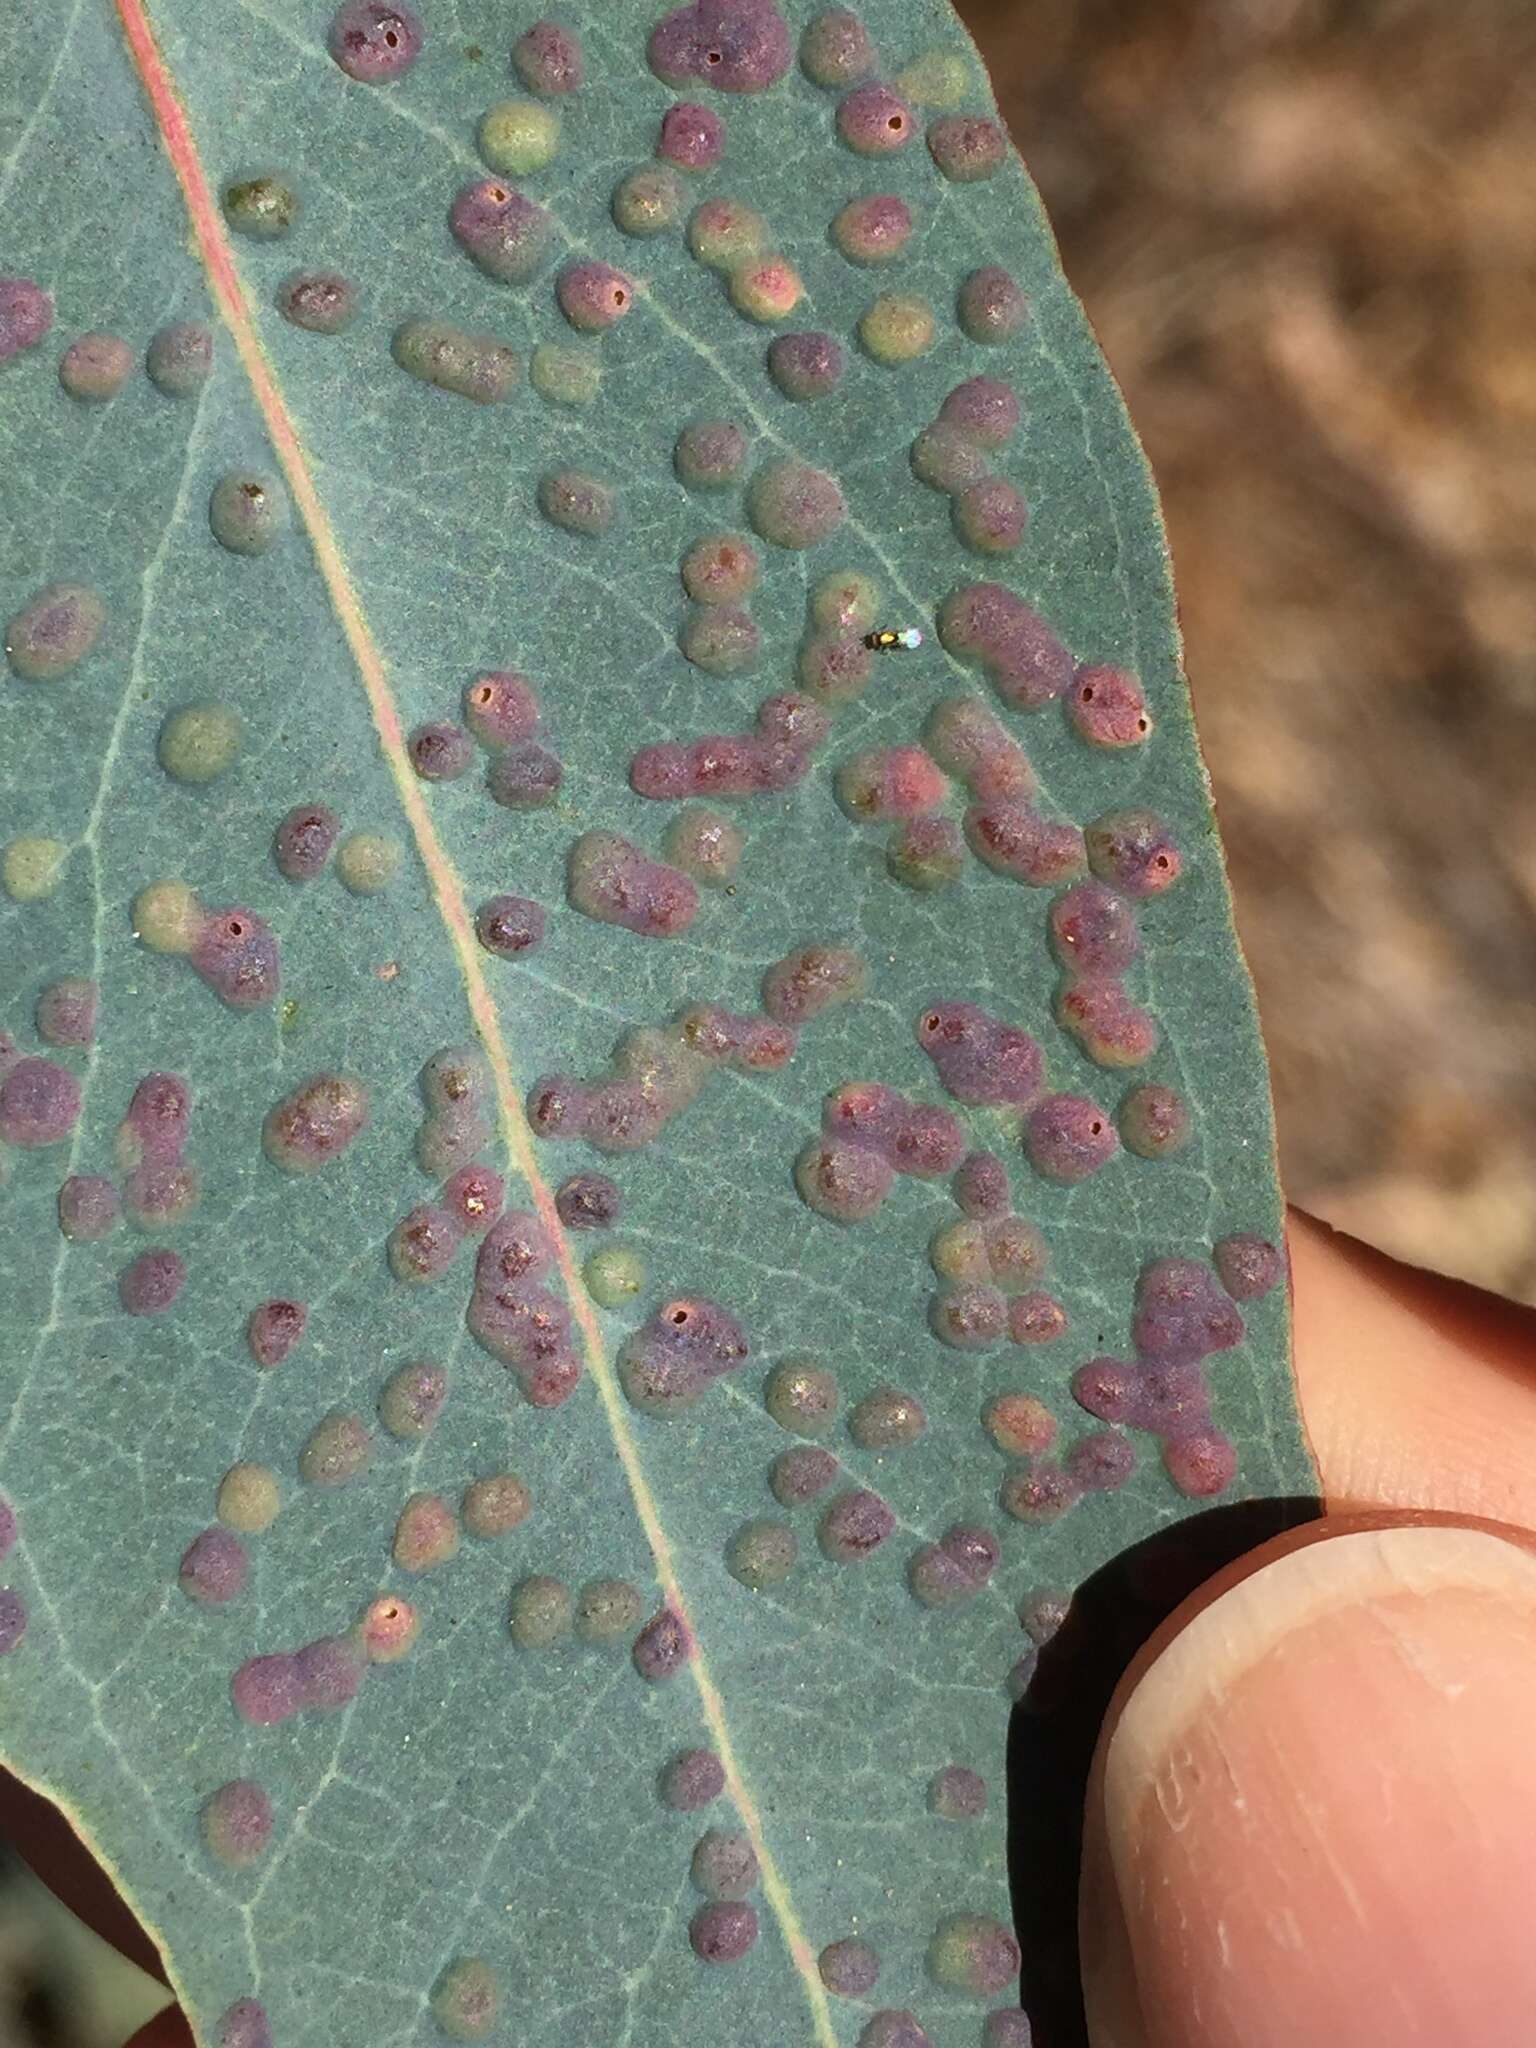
(232, 299)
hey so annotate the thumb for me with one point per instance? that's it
(1314, 1819)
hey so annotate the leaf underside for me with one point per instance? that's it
(478, 1798)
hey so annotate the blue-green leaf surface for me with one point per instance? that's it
(479, 1798)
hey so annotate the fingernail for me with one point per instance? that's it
(1319, 1806)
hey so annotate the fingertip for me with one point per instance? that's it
(1310, 1820)
(1416, 1391)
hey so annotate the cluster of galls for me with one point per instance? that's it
(870, 1133)
(519, 1320)
(658, 1072)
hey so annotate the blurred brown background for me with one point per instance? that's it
(1304, 230)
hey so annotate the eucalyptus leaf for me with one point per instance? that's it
(458, 479)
